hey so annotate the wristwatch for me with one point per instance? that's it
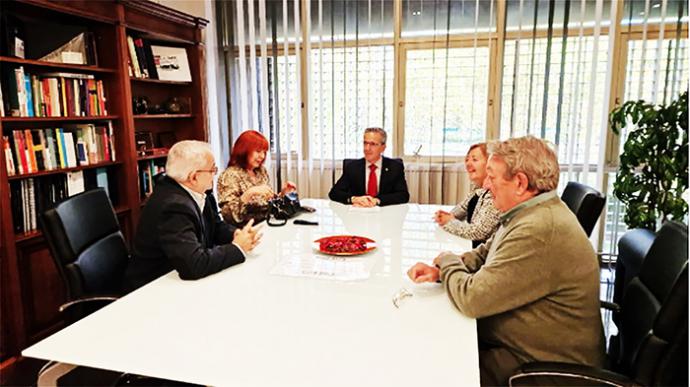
(349, 200)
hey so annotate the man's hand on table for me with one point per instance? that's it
(421, 272)
(247, 237)
(365, 201)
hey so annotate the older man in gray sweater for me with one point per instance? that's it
(534, 287)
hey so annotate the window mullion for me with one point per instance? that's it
(497, 49)
(305, 77)
(398, 82)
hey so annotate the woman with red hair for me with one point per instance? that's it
(243, 188)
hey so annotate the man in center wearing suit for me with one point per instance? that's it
(374, 180)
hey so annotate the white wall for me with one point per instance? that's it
(218, 136)
(192, 7)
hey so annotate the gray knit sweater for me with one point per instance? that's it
(534, 287)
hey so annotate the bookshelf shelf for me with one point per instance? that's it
(161, 116)
(27, 236)
(57, 66)
(31, 235)
(58, 119)
(152, 157)
(148, 80)
(63, 170)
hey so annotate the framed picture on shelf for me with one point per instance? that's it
(171, 63)
(144, 142)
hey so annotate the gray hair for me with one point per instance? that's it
(185, 157)
(532, 156)
(380, 131)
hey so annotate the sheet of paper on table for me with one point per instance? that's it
(324, 267)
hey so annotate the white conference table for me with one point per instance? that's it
(247, 326)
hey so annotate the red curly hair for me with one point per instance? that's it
(248, 142)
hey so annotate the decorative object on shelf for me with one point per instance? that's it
(79, 50)
(167, 139)
(173, 105)
(140, 105)
(171, 63)
(144, 142)
(653, 171)
(12, 30)
(156, 109)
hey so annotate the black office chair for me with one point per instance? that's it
(651, 347)
(88, 249)
(348, 161)
(91, 256)
(633, 247)
(585, 202)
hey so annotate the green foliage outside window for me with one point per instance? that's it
(653, 172)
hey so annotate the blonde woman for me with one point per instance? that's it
(475, 217)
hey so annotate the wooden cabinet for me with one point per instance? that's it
(30, 288)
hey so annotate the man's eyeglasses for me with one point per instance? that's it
(400, 295)
(370, 143)
(214, 170)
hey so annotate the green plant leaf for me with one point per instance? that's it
(653, 168)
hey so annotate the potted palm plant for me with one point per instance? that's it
(653, 171)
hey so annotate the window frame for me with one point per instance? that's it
(458, 41)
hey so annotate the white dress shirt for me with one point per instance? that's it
(200, 200)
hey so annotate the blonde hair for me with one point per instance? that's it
(185, 157)
(532, 156)
(481, 146)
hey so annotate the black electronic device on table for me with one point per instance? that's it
(305, 222)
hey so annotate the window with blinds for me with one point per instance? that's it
(556, 111)
(352, 89)
(445, 94)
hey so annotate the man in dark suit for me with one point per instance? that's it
(373, 180)
(180, 227)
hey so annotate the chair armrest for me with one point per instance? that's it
(93, 299)
(555, 373)
(610, 306)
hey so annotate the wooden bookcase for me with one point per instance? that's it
(30, 288)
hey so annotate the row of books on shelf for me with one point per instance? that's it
(35, 150)
(51, 95)
(147, 173)
(30, 197)
(157, 62)
(141, 60)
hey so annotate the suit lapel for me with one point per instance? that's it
(198, 212)
(385, 171)
(360, 175)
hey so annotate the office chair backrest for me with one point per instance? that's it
(654, 315)
(86, 243)
(348, 161)
(585, 202)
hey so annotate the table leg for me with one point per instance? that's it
(51, 372)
